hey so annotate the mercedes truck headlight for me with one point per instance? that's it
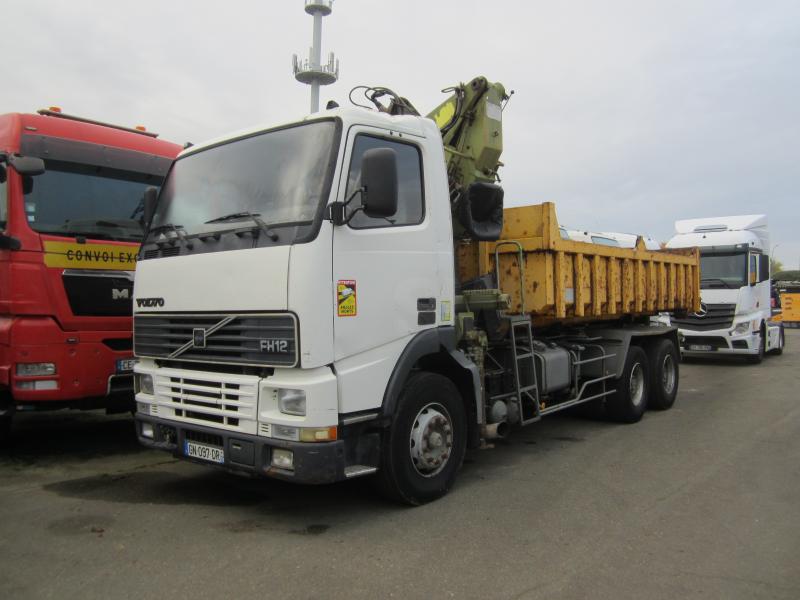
(144, 383)
(741, 328)
(292, 402)
(35, 369)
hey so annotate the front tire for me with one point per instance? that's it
(756, 359)
(628, 403)
(781, 343)
(425, 445)
(664, 374)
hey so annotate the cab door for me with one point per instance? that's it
(385, 271)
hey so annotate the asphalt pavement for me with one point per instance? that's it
(702, 501)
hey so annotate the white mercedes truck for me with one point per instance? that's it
(734, 317)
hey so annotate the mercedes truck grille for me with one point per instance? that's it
(709, 318)
(266, 340)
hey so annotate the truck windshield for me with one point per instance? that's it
(96, 202)
(723, 270)
(282, 177)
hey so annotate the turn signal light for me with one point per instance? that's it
(55, 109)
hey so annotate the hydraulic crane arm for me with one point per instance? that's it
(472, 133)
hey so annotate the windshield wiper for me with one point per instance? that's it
(179, 231)
(255, 217)
(722, 281)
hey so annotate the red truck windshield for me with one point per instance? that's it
(97, 202)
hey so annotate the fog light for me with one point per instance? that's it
(147, 430)
(41, 384)
(283, 459)
(144, 383)
(292, 402)
(35, 369)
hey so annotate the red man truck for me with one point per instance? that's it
(71, 203)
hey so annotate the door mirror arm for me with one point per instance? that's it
(337, 211)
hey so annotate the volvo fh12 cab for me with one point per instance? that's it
(345, 296)
(71, 197)
(735, 314)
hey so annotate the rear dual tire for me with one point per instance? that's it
(629, 401)
(664, 374)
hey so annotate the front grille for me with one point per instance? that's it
(265, 340)
(209, 439)
(717, 316)
(227, 401)
(98, 295)
(162, 252)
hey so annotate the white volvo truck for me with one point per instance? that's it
(734, 317)
(299, 313)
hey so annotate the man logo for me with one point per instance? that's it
(274, 346)
(123, 294)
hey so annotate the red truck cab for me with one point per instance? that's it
(69, 238)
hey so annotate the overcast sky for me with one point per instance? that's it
(629, 114)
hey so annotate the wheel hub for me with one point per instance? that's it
(431, 440)
(636, 385)
(668, 374)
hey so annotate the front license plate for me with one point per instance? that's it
(125, 365)
(203, 452)
(700, 347)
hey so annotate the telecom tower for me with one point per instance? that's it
(310, 70)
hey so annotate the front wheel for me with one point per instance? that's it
(755, 359)
(6, 416)
(664, 374)
(781, 343)
(425, 446)
(628, 403)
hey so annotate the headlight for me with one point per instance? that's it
(741, 328)
(35, 369)
(144, 383)
(292, 402)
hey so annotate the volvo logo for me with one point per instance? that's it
(149, 302)
(702, 312)
(199, 337)
(122, 294)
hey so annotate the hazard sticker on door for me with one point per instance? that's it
(346, 303)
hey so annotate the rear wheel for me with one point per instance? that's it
(628, 403)
(664, 374)
(425, 446)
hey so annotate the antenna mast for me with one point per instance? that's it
(310, 71)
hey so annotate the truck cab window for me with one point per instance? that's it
(410, 207)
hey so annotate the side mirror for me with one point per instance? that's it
(150, 197)
(26, 165)
(379, 182)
